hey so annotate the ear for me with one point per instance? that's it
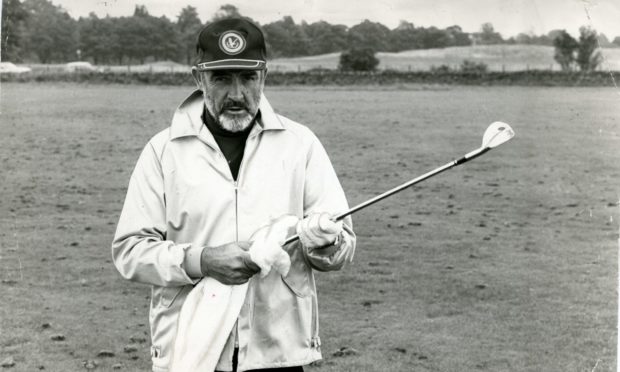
(264, 75)
(197, 77)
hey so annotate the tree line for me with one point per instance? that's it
(39, 31)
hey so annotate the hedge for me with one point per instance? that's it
(337, 78)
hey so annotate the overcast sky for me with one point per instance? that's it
(509, 17)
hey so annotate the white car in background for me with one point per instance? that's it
(79, 67)
(10, 68)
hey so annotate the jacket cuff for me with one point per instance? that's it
(191, 262)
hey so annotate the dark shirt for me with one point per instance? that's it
(232, 144)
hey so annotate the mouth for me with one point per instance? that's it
(235, 110)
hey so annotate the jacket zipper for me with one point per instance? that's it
(236, 185)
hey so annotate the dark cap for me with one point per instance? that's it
(231, 44)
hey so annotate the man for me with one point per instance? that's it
(227, 166)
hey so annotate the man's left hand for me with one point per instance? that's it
(318, 230)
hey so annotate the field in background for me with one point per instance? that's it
(497, 57)
(508, 263)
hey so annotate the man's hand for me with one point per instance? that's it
(266, 250)
(229, 263)
(318, 230)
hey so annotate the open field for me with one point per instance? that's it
(497, 57)
(508, 263)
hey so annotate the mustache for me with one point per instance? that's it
(234, 104)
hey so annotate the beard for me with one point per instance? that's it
(235, 123)
(231, 123)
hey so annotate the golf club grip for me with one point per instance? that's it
(336, 219)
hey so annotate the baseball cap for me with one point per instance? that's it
(231, 44)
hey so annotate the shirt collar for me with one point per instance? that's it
(187, 119)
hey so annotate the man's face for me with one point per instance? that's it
(232, 96)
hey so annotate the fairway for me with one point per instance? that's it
(507, 263)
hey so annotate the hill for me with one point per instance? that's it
(497, 57)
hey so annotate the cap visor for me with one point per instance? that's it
(240, 64)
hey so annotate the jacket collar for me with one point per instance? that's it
(187, 119)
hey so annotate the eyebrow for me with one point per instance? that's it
(233, 72)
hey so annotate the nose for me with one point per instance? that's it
(236, 89)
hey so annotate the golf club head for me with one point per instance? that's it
(496, 134)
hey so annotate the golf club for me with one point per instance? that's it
(496, 134)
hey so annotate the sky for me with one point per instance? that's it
(509, 17)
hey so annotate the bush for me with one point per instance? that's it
(565, 46)
(471, 67)
(440, 69)
(339, 78)
(358, 59)
(588, 58)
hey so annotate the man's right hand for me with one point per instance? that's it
(229, 263)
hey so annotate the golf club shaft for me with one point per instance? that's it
(469, 156)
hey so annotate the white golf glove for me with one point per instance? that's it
(318, 230)
(266, 249)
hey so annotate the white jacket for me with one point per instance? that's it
(182, 197)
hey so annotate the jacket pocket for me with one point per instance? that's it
(299, 278)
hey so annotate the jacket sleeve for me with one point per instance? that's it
(140, 250)
(323, 193)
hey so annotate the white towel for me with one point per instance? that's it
(212, 308)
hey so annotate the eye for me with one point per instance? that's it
(220, 78)
(250, 76)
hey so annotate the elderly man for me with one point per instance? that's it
(227, 166)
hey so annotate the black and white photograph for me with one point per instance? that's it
(309, 185)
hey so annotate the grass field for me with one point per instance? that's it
(497, 58)
(508, 263)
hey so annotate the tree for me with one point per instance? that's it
(134, 32)
(358, 59)
(95, 39)
(616, 41)
(457, 37)
(554, 34)
(140, 11)
(488, 36)
(285, 38)
(145, 36)
(565, 46)
(323, 37)
(588, 58)
(404, 37)
(433, 37)
(188, 25)
(13, 17)
(164, 39)
(523, 38)
(226, 11)
(50, 33)
(371, 35)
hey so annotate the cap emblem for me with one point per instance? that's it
(232, 43)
